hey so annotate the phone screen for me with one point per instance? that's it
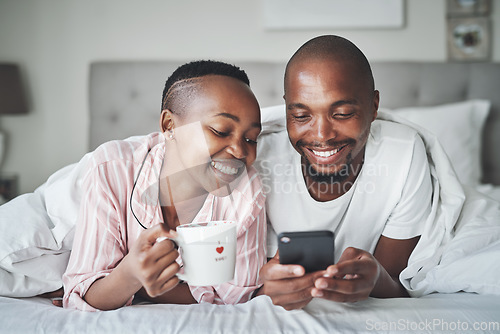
(314, 250)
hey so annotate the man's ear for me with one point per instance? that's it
(376, 100)
(166, 120)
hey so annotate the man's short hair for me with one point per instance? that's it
(183, 84)
(335, 48)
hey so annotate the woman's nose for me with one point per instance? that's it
(238, 148)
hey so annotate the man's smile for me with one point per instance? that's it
(325, 156)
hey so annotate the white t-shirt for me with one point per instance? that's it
(391, 195)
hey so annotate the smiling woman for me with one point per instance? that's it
(137, 191)
(223, 119)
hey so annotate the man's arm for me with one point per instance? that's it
(393, 255)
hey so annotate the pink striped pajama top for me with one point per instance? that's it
(106, 228)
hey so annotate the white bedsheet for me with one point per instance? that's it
(490, 190)
(461, 312)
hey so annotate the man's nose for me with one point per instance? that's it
(325, 129)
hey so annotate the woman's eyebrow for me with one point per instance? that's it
(236, 118)
(228, 115)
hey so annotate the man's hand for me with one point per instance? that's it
(287, 285)
(353, 278)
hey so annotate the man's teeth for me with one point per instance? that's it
(325, 154)
(224, 169)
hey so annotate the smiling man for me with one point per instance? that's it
(366, 180)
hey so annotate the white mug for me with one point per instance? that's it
(208, 252)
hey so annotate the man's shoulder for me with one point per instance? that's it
(394, 146)
(383, 132)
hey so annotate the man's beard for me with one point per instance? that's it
(329, 178)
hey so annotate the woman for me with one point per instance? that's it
(138, 190)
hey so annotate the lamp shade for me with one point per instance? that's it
(12, 97)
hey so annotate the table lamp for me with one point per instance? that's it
(12, 99)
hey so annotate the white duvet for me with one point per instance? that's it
(459, 249)
(460, 245)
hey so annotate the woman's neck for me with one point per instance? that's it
(180, 212)
(181, 197)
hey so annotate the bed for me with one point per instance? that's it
(457, 101)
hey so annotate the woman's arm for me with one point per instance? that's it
(149, 264)
(181, 294)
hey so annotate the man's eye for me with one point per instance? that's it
(343, 115)
(300, 117)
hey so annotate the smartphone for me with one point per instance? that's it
(314, 250)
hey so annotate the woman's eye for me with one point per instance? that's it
(220, 133)
(251, 141)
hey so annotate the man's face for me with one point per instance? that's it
(330, 107)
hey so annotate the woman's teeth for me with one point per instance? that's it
(224, 169)
(325, 154)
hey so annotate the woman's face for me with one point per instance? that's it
(216, 135)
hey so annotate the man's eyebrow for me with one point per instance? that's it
(343, 102)
(236, 118)
(335, 104)
(296, 106)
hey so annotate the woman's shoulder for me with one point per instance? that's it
(131, 149)
(250, 186)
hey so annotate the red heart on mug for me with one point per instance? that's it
(219, 249)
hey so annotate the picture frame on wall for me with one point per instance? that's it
(468, 7)
(333, 14)
(469, 39)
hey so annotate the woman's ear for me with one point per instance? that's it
(166, 120)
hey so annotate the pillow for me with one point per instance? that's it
(458, 127)
(36, 234)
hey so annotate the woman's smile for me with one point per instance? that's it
(227, 170)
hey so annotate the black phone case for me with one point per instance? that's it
(314, 250)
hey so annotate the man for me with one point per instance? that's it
(337, 169)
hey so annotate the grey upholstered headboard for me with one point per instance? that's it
(125, 97)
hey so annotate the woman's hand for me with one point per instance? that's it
(151, 261)
(149, 264)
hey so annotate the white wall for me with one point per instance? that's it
(55, 41)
